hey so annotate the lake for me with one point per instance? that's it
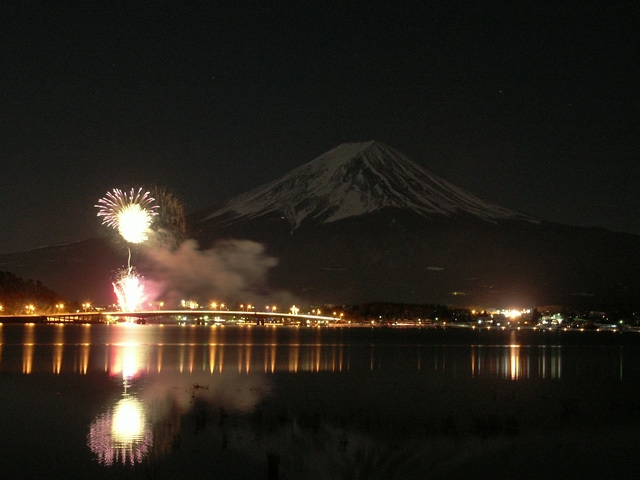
(153, 401)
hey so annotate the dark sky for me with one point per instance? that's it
(534, 107)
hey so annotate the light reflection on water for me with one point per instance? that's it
(122, 434)
(126, 349)
(27, 342)
(514, 362)
(162, 370)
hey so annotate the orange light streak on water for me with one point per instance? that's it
(213, 342)
(192, 354)
(221, 359)
(84, 348)
(294, 351)
(57, 358)
(159, 362)
(212, 357)
(514, 362)
(27, 355)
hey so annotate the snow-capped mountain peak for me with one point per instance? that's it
(357, 178)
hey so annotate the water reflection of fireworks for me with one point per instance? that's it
(121, 435)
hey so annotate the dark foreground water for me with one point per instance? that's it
(146, 401)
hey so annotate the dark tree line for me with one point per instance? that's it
(16, 294)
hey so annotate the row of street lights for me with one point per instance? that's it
(245, 308)
(30, 309)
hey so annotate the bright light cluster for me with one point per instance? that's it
(130, 213)
(129, 290)
(127, 424)
(122, 435)
(191, 304)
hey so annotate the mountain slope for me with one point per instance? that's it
(355, 179)
(398, 255)
(364, 223)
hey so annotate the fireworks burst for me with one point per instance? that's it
(130, 213)
(129, 290)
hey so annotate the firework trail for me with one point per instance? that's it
(130, 213)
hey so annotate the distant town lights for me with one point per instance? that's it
(190, 304)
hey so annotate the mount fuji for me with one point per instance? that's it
(362, 222)
(356, 179)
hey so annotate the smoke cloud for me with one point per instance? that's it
(231, 271)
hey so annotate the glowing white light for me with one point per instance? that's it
(130, 213)
(128, 421)
(133, 223)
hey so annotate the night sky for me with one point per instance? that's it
(533, 107)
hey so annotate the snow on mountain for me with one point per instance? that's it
(357, 178)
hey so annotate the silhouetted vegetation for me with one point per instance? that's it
(16, 294)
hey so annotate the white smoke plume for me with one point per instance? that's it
(231, 271)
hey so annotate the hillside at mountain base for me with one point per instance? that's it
(397, 255)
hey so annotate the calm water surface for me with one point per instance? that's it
(151, 401)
